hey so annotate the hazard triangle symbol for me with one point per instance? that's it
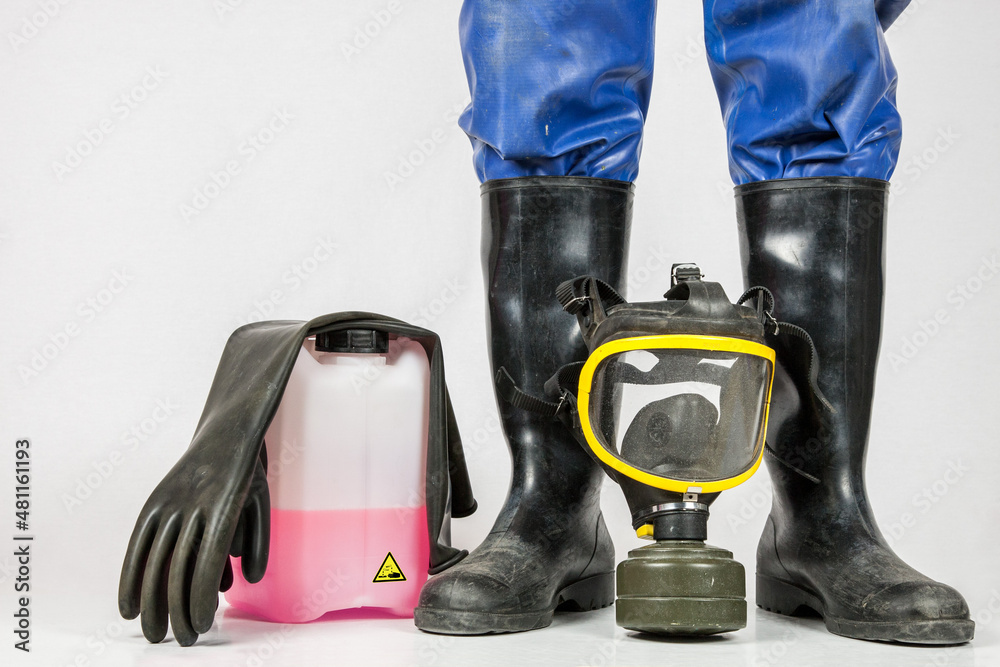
(389, 570)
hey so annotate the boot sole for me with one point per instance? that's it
(587, 594)
(781, 597)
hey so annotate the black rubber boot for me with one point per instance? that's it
(549, 548)
(817, 243)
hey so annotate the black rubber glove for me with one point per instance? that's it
(178, 557)
(214, 501)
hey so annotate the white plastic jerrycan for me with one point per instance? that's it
(346, 467)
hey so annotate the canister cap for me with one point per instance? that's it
(357, 341)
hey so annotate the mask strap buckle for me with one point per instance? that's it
(589, 299)
(682, 273)
(765, 307)
(576, 304)
(561, 384)
(765, 310)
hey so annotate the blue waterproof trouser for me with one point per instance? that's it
(561, 87)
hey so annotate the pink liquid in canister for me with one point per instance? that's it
(346, 455)
(341, 567)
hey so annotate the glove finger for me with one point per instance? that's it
(154, 581)
(208, 570)
(227, 577)
(179, 585)
(130, 583)
(257, 533)
(236, 548)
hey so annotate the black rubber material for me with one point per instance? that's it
(681, 525)
(817, 244)
(214, 502)
(550, 538)
(691, 306)
(788, 599)
(588, 594)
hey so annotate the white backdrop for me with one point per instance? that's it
(169, 171)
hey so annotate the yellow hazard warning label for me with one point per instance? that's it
(389, 570)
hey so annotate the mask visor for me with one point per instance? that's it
(683, 413)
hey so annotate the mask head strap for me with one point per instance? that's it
(589, 299)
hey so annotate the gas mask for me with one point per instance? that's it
(672, 403)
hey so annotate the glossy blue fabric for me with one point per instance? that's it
(806, 87)
(561, 87)
(889, 10)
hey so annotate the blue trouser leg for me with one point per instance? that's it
(559, 87)
(807, 87)
(889, 10)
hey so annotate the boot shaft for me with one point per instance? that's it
(538, 232)
(818, 245)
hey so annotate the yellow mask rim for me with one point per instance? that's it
(664, 342)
